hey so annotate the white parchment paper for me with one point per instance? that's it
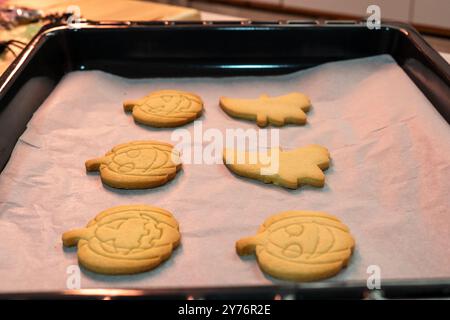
(389, 180)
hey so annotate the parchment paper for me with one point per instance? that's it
(389, 180)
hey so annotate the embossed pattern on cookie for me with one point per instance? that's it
(137, 165)
(125, 239)
(292, 168)
(165, 108)
(300, 245)
(281, 110)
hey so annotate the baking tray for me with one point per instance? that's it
(171, 49)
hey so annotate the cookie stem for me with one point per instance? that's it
(129, 105)
(247, 246)
(71, 238)
(94, 164)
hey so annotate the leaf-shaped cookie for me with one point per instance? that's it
(289, 108)
(289, 169)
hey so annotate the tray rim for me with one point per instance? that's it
(436, 286)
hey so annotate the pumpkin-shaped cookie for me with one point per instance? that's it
(137, 165)
(165, 108)
(125, 239)
(300, 245)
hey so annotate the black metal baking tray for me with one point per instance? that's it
(180, 49)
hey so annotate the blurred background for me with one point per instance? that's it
(430, 17)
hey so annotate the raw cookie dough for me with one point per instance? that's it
(165, 108)
(293, 168)
(125, 239)
(137, 165)
(289, 108)
(300, 245)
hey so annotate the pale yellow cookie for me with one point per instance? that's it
(289, 108)
(289, 169)
(137, 165)
(165, 108)
(300, 245)
(125, 239)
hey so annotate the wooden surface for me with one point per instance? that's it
(133, 10)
